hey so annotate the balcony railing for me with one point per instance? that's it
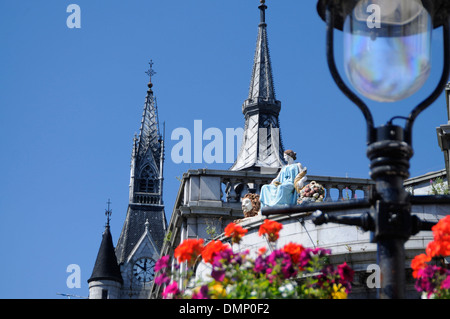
(146, 198)
(203, 186)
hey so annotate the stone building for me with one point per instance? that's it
(209, 199)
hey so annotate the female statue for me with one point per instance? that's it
(284, 189)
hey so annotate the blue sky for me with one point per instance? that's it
(71, 101)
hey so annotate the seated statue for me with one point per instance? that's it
(283, 190)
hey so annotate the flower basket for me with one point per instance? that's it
(313, 192)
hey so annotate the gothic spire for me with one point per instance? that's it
(261, 85)
(261, 146)
(149, 134)
(146, 180)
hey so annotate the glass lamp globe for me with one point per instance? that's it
(387, 48)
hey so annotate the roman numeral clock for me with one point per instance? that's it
(143, 269)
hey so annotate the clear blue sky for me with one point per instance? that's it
(71, 101)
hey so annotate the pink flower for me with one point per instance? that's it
(162, 279)
(345, 272)
(446, 283)
(171, 290)
(202, 293)
(162, 263)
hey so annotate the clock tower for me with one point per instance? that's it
(143, 231)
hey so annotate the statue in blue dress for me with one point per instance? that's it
(284, 189)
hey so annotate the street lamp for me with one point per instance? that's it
(387, 50)
(387, 57)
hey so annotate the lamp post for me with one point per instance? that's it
(443, 134)
(378, 36)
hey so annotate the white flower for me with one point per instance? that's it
(287, 289)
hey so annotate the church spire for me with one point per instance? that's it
(261, 146)
(147, 156)
(261, 85)
(149, 135)
(146, 180)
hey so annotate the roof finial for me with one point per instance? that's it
(150, 72)
(108, 213)
(263, 8)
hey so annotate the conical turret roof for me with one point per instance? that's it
(106, 267)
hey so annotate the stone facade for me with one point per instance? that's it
(105, 289)
(209, 199)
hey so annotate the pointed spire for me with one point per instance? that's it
(261, 84)
(146, 180)
(149, 130)
(261, 146)
(106, 267)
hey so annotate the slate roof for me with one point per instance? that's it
(262, 144)
(106, 267)
(134, 227)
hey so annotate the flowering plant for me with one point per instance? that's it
(292, 271)
(235, 232)
(271, 229)
(430, 270)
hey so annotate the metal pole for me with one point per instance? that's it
(389, 156)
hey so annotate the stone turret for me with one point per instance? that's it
(106, 279)
(261, 147)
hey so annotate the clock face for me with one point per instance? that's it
(143, 269)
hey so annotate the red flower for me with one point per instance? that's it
(236, 232)
(271, 228)
(441, 230)
(189, 250)
(262, 250)
(441, 244)
(211, 249)
(294, 250)
(433, 249)
(419, 262)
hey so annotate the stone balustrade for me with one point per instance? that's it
(204, 187)
(146, 198)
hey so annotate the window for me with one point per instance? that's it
(147, 183)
